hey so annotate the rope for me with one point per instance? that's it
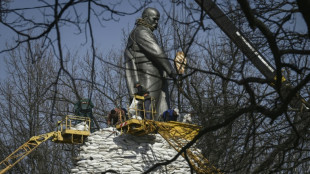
(141, 21)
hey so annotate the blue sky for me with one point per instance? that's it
(106, 38)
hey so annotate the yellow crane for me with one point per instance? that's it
(177, 134)
(72, 130)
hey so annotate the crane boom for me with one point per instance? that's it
(258, 60)
(217, 15)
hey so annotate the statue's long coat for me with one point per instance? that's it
(147, 63)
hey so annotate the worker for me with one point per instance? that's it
(141, 91)
(116, 116)
(170, 115)
(84, 108)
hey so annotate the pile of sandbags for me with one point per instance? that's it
(80, 126)
(108, 150)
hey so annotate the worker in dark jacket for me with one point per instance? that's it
(146, 61)
(171, 115)
(84, 108)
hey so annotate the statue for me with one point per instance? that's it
(146, 62)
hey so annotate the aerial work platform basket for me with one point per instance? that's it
(72, 130)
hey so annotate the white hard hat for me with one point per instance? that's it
(176, 110)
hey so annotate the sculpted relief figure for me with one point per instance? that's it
(146, 61)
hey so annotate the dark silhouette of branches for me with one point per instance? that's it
(227, 90)
(250, 124)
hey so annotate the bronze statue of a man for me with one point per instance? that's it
(146, 61)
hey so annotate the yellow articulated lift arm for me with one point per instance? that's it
(177, 134)
(23, 151)
(67, 132)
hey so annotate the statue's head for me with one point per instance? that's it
(151, 16)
